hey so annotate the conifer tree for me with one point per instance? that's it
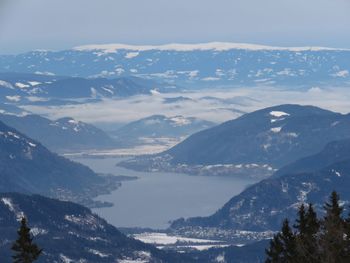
(301, 221)
(332, 240)
(314, 241)
(283, 246)
(24, 248)
(307, 226)
(274, 253)
(347, 237)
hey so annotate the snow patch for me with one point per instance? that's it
(99, 253)
(34, 83)
(32, 144)
(341, 74)
(279, 114)
(6, 84)
(35, 231)
(12, 207)
(131, 55)
(22, 85)
(66, 259)
(276, 129)
(15, 98)
(336, 173)
(220, 258)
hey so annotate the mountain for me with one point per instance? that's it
(262, 207)
(193, 65)
(36, 89)
(159, 128)
(68, 232)
(65, 134)
(28, 167)
(266, 139)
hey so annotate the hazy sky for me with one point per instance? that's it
(59, 24)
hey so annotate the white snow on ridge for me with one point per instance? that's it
(22, 85)
(13, 98)
(279, 114)
(34, 83)
(131, 55)
(66, 259)
(35, 231)
(341, 74)
(6, 84)
(8, 202)
(217, 46)
(276, 129)
(99, 253)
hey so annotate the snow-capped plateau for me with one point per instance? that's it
(193, 65)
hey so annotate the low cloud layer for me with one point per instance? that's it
(213, 105)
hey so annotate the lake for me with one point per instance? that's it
(156, 198)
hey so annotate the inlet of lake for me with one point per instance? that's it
(157, 198)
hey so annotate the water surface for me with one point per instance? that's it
(156, 198)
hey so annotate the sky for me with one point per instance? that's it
(60, 24)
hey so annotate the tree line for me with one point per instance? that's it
(313, 240)
(309, 240)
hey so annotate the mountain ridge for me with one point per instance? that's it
(28, 167)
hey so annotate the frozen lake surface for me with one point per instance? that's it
(157, 198)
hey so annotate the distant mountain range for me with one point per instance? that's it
(61, 135)
(158, 129)
(263, 140)
(263, 206)
(36, 89)
(28, 167)
(196, 65)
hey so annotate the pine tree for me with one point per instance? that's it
(301, 221)
(313, 224)
(347, 238)
(274, 253)
(315, 241)
(283, 246)
(25, 250)
(332, 242)
(307, 226)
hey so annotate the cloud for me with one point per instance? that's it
(126, 110)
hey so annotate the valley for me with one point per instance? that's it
(178, 162)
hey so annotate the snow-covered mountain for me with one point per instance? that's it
(65, 134)
(198, 64)
(159, 129)
(28, 167)
(68, 232)
(36, 89)
(263, 140)
(263, 206)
